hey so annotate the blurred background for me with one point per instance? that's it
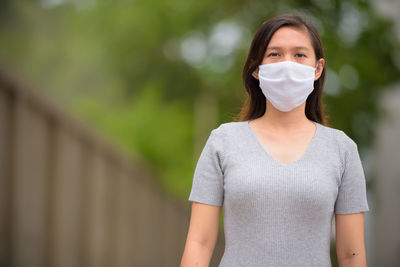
(106, 105)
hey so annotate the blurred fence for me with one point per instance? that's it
(68, 198)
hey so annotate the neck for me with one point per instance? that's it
(285, 121)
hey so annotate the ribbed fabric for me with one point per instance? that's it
(278, 214)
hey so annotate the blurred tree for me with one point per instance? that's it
(158, 75)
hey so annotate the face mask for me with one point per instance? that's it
(286, 84)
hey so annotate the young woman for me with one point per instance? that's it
(279, 173)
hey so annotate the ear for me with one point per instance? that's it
(319, 68)
(255, 73)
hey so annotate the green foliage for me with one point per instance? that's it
(119, 65)
(148, 127)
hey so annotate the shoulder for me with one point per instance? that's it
(229, 128)
(339, 141)
(229, 134)
(338, 136)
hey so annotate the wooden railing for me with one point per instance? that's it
(68, 198)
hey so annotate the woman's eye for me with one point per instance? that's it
(300, 55)
(273, 54)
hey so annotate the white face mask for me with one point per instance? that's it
(286, 84)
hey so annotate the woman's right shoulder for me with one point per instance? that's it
(232, 128)
(230, 133)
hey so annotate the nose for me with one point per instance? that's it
(288, 57)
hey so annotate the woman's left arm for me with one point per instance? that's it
(350, 248)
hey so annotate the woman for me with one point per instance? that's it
(279, 173)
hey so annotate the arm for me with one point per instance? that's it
(350, 247)
(202, 235)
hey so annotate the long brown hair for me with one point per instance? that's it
(255, 104)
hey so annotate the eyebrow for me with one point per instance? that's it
(295, 48)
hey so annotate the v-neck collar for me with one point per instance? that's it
(265, 152)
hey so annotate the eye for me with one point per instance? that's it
(300, 55)
(273, 54)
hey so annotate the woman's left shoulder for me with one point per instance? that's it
(340, 137)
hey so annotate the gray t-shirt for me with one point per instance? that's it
(278, 214)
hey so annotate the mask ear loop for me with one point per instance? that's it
(316, 66)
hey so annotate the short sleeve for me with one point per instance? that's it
(207, 185)
(352, 196)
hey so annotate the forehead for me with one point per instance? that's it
(289, 36)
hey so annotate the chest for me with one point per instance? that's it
(252, 180)
(284, 149)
